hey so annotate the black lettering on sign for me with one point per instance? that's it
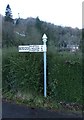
(41, 48)
(20, 48)
(24, 48)
(37, 48)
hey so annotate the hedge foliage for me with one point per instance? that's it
(24, 72)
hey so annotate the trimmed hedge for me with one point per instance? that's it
(24, 72)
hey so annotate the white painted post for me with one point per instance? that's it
(44, 42)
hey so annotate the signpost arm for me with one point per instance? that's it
(44, 42)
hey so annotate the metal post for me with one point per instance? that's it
(44, 74)
(44, 41)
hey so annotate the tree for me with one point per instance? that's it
(39, 24)
(7, 34)
(8, 14)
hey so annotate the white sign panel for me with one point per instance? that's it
(32, 48)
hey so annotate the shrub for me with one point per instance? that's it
(24, 72)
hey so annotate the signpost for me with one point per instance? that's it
(44, 42)
(37, 48)
(32, 48)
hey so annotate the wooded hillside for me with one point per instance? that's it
(30, 31)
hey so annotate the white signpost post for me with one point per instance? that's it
(37, 48)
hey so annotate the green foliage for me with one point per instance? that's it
(33, 29)
(7, 34)
(38, 24)
(8, 14)
(23, 72)
(65, 77)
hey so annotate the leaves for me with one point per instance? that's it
(24, 72)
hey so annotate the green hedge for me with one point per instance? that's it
(21, 71)
(65, 77)
(24, 72)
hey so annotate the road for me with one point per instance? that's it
(12, 110)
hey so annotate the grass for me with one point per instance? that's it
(39, 102)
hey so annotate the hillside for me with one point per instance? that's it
(30, 31)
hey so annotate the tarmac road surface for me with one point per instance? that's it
(12, 110)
